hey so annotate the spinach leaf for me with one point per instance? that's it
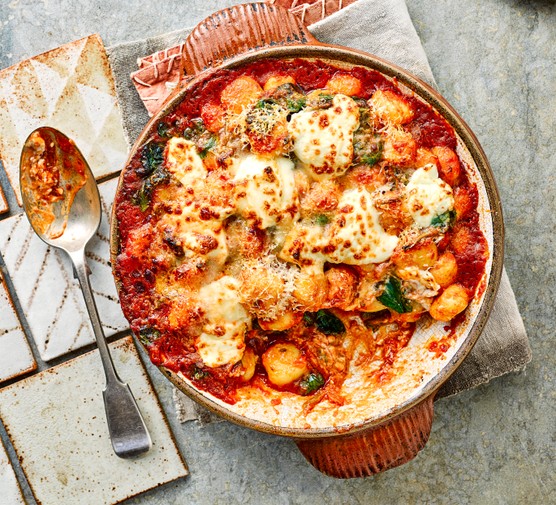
(444, 220)
(295, 105)
(265, 103)
(142, 197)
(311, 383)
(324, 101)
(163, 130)
(365, 117)
(393, 298)
(309, 318)
(367, 145)
(373, 157)
(196, 129)
(325, 321)
(326, 97)
(198, 373)
(147, 335)
(208, 146)
(152, 157)
(322, 219)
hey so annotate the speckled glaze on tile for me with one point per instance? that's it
(16, 357)
(57, 424)
(3, 203)
(53, 303)
(70, 88)
(10, 492)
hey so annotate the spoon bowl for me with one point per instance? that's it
(62, 202)
(76, 216)
(83, 220)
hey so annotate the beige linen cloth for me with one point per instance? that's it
(381, 27)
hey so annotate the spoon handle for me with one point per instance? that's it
(128, 432)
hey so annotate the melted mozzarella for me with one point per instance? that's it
(357, 238)
(427, 195)
(354, 237)
(200, 192)
(184, 163)
(265, 189)
(186, 227)
(323, 138)
(222, 340)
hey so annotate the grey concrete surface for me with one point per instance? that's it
(495, 61)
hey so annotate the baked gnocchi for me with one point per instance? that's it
(289, 217)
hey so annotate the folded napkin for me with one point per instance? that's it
(383, 28)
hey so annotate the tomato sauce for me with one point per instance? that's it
(429, 128)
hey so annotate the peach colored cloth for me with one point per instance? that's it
(157, 76)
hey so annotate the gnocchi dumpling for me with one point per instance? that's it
(445, 270)
(453, 300)
(391, 108)
(278, 80)
(422, 255)
(344, 83)
(240, 93)
(247, 365)
(310, 289)
(449, 166)
(400, 147)
(284, 363)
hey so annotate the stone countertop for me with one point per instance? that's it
(495, 61)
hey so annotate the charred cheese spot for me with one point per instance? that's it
(265, 190)
(427, 196)
(323, 138)
(222, 339)
(204, 240)
(201, 195)
(303, 246)
(191, 228)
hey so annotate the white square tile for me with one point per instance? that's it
(10, 492)
(16, 357)
(70, 88)
(48, 293)
(57, 424)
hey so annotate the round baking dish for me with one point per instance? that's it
(386, 428)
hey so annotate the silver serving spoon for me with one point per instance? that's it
(62, 203)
